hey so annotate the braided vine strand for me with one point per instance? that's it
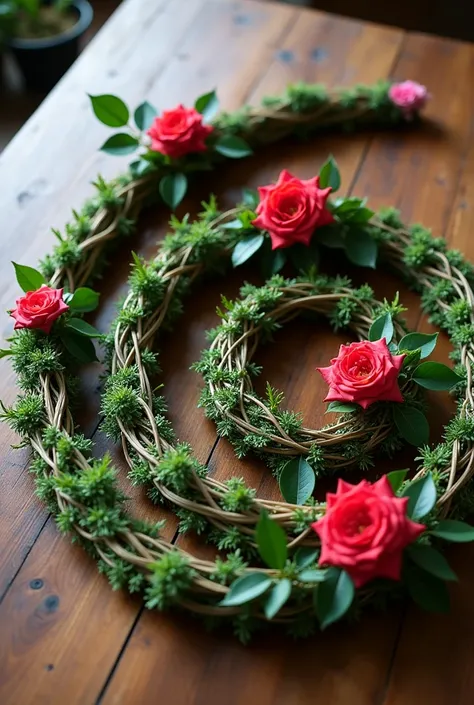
(85, 493)
(300, 110)
(397, 244)
(224, 367)
(66, 478)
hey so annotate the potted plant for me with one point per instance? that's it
(44, 37)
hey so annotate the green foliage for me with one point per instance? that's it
(120, 403)
(382, 327)
(27, 416)
(271, 542)
(436, 376)
(110, 110)
(246, 588)
(411, 424)
(144, 115)
(297, 481)
(232, 147)
(171, 579)
(239, 497)
(177, 468)
(28, 278)
(94, 486)
(333, 596)
(422, 496)
(173, 189)
(226, 571)
(207, 105)
(120, 144)
(246, 248)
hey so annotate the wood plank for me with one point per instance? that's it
(209, 663)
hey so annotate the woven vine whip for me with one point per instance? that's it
(235, 352)
(83, 492)
(141, 548)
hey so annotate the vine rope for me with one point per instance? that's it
(83, 493)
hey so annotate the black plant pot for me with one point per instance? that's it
(43, 61)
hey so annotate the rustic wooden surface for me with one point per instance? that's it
(65, 636)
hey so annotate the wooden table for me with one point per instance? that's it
(65, 637)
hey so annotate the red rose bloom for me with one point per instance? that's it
(365, 530)
(39, 309)
(178, 132)
(292, 209)
(364, 373)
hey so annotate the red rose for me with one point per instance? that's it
(364, 373)
(178, 132)
(39, 309)
(292, 209)
(365, 530)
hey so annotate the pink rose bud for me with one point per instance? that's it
(39, 309)
(179, 132)
(292, 209)
(409, 96)
(365, 530)
(363, 373)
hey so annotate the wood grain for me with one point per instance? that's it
(65, 635)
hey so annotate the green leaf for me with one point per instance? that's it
(28, 278)
(412, 424)
(232, 146)
(5, 352)
(361, 248)
(80, 346)
(110, 110)
(313, 576)
(245, 248)
(120, 144)
(271, 542)
(207, 105)
(346, 205)
(334, 596)
(83, 328)
(431, 560)
(382, 327)
(297, 481)
(305, 557)
(84, 300)
(251, 198)
(330, 236)
(396, 479)
(361, 215)
(277, 597)
(275, 261)
(304, 257)
(453, 530)
(342, 407)
(424, 342)
(173, 189)
(422, 496)
(329, 174)
(144, 116)
(435, 376)
(140, 167)
(428, 592)
(246, 588)
(233, 225)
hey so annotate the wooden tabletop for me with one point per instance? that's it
(65, 636)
